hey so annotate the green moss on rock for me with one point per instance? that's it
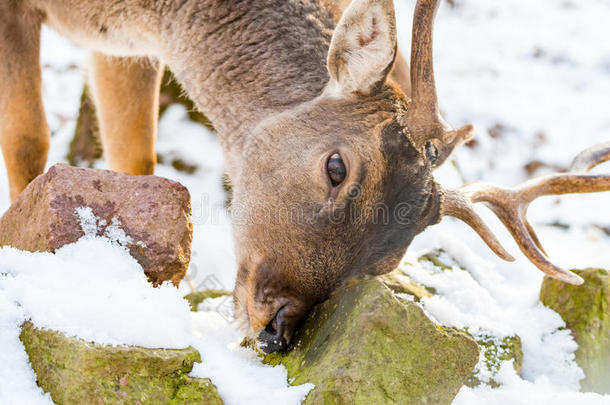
(198, 297)
(400, 283)
(172, 93)
(586, 312)
(493, 352)
(195, 391)
(74, 371)
(85, 147)
(228, 189)
(438, 258)
(363, 346)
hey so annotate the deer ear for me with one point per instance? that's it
(363, 46)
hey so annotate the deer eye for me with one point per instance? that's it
(336, 169)
(431, 152)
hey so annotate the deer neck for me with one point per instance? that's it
(242, 61)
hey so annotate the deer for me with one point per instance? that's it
(325, 130)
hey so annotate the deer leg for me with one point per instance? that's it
(126, 94)
(24, 134)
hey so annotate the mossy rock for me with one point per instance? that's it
(198, 297)
(172, 93)
(85, 147)
(228, 189)
(586, 312)
(74, 371)
(400, 284)
(437, 258)
(364, 346)
(493, 352)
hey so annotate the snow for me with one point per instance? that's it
(91, 225)
(239, 376)
(17, 379)
(92, 289)
(95, 290)
(539, 71)
(212, 256)
(515, 391)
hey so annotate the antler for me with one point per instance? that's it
(423, 117)
(426, 126)
(510, 206)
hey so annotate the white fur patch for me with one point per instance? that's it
(363, 45)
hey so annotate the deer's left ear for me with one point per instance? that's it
(363, 46)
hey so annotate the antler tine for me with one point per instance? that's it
(510, 206)
(589, 158)
(457, 204)
(422, 70)
(424, 119)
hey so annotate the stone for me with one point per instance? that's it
(439, 259)
(400, 284)
(86, 146)
(74, 371)
(172, 93)
(493, 352)
(364, 346)
(586, 311)
(153, 212)
(197, 297)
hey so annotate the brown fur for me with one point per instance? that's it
(258, 69)
(24, 135)
(128, 128)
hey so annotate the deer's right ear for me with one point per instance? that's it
(363, 46)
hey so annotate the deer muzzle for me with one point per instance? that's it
(271, 338)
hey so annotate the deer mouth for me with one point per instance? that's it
(274, 337)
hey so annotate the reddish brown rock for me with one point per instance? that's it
(154, 213)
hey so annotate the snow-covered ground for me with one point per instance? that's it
(92, 289)
(534, 78)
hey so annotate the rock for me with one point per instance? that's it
(177, 162)
(74, 371)
(439, 259)
(172, 93)
(400, 284)
(183, 166)
(154, 213)
(364, 346)
(198, 297)
(586, 312)
(85, 147)
(493, 352)
(228, 189)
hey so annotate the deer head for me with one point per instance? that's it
(347, 179)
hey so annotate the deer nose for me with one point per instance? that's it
(271, 339)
